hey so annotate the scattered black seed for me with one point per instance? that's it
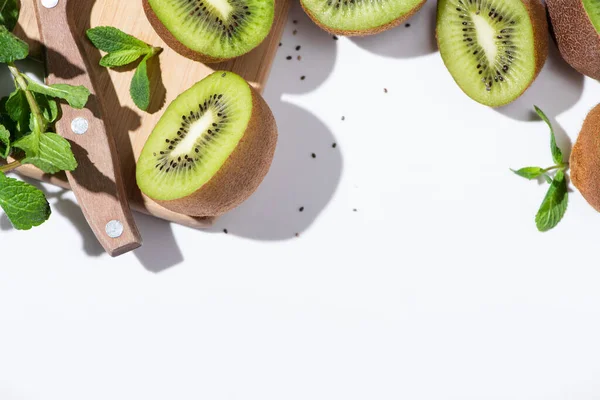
(301, 209)
(343, 118)
(302, 77)
(298, 48)
(225, 231)
(288, 58)
(385, 90)
(295, 21)
(279, 44)
(407, 25)
(354, 209)
(295, 31)
(314, 155)
(297, 234)
(335, 37)
(334, 145)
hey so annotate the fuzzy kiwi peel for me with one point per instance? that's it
(211, 31)
(494, 49)
(576, 25)
(211, 148)
(585, 159)
(360, 17)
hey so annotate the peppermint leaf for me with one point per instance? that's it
(11, 47)
(25, 205)
(529, 172)
(48, 106)
(49, 152)
(121, 57)
(9, 13)
(18, 110)
(109, 39)
(4, 142)
(554, 205)
(140, 86)
(76, 96)
(557, 155)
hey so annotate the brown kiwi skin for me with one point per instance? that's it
(241, 174)
(372, 31)
(577, 39)
(537, 15)
(172, 41)
(585, 159)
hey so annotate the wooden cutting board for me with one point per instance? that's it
(170, 76)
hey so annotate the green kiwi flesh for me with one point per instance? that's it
(592, 7)
(492, 48)
(359, 17)
(216, 29)
(211, 148)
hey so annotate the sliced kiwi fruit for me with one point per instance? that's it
(211, 149)
(576, 25)
(585, 159)
(494, 49)
(211, 30)
(360, 17)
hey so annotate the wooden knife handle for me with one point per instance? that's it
(97, 182)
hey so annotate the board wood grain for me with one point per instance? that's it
(170, 73)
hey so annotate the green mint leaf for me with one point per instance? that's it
(49, 152)
(17, 108)
(76, 96)
(9, 13)
(140, 86)
(25, 205)
(557, 155)
(109, 39)
(4, 142)
(554, 205)
(529, 172)
(11, 47)
(48, 106)
(5, 118)
(121, 57)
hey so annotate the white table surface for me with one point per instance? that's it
(437, 287)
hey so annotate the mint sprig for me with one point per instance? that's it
(123, 49)
(555, 202)
(27, 120)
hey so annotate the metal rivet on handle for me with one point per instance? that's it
(79, 126)
(49, 3)
(114, 229)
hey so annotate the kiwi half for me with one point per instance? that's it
(360, 17)
(211, 149)
(585, 159)
(494, 49)
(211, 30)
(576, 26)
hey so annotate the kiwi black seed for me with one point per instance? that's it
(211, 30)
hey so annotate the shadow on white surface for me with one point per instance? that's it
(413, 38)
(317, 51)
(296, 180)
(557, 88)
(159, 250)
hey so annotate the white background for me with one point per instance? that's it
(437, 287)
